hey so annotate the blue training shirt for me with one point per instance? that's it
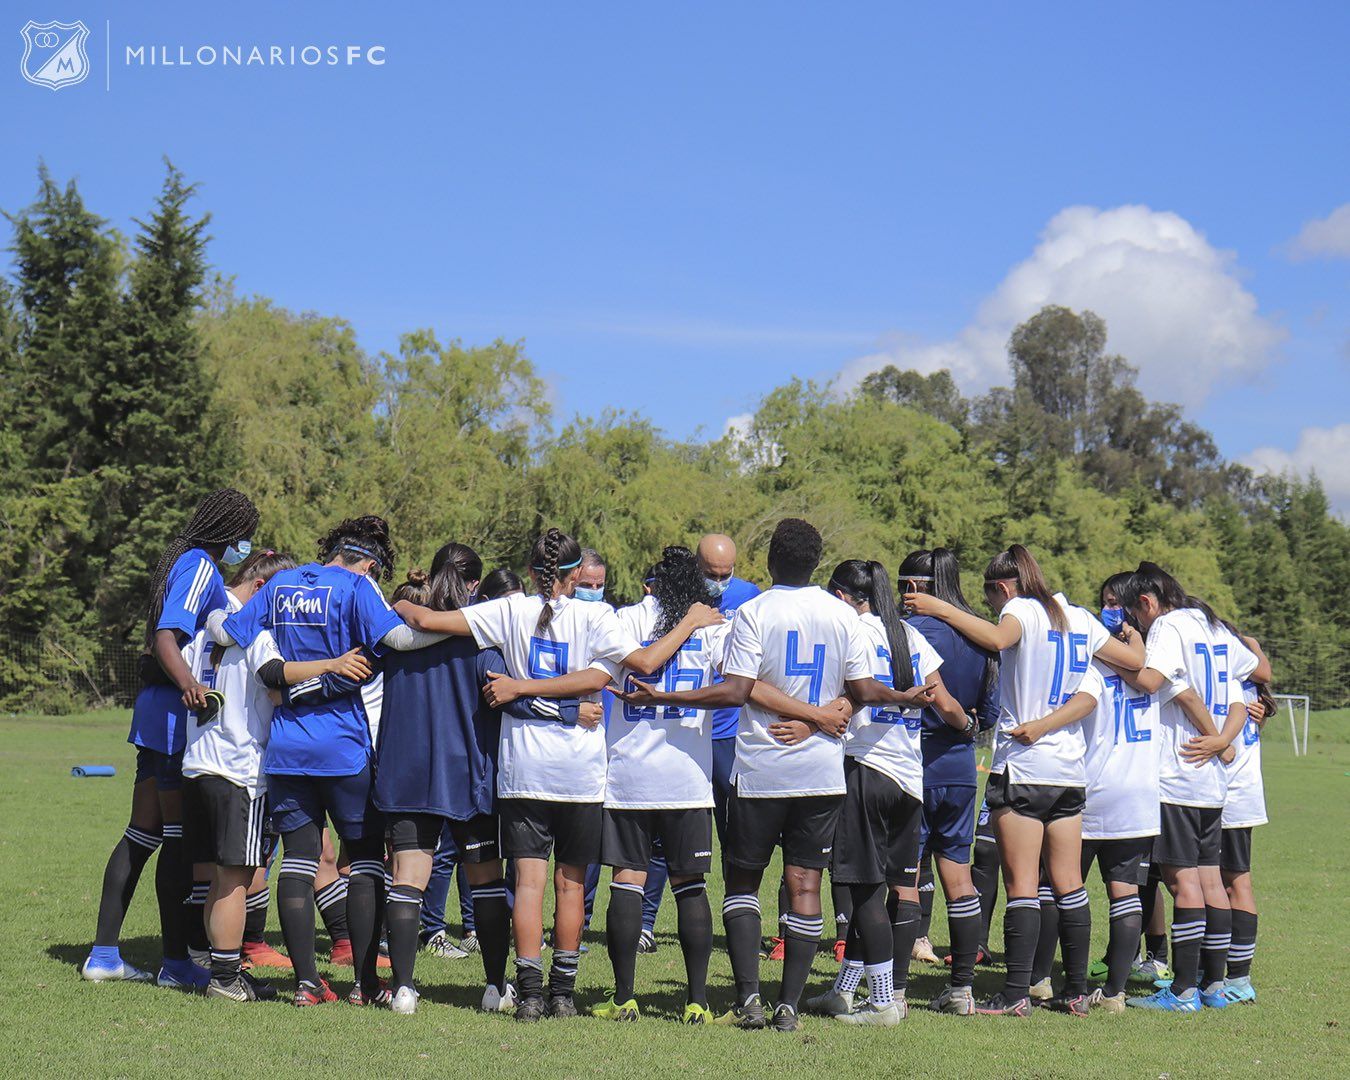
(193, 590)
(315, 612)
(725, 721)
(948, 757)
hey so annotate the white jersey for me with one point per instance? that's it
(1037, 675)
(660, 757)
(806, 643)
(372, 701)
(1245, 804)
(232, 744)
(1189, 653)
(888, 738)
(1124, 746)
(543, 759)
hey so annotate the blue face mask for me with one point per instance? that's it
(717, 586)
(237, 553)
(1113, 618)
(589, 594)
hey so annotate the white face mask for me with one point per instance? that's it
(237, 552)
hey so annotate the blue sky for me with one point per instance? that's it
(679, 208)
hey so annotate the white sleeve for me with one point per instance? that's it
(858, 662)
(1097, 634)
(1241, 660)
(263, 649)
(1092, 683)
(489, 622)
(1164, 652)
(744, 651)
(609, 638)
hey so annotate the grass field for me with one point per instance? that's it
(57, 832)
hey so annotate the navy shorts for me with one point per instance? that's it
(166, 770)
(948, 826)
(306, 800)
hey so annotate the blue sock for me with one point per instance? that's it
(105, 955)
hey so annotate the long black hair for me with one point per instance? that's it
(553, 557)
(868, 581)
(1153, 579)
(452, 570)
(222, 518)
(360, 538)
(942, 569)
(677, 585)
(1018, 564)
(499, 582)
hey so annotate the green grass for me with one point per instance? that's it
(57, 832)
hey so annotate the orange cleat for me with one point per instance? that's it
(261, 954)
(839, 951)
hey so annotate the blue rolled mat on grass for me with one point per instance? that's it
(80, 771)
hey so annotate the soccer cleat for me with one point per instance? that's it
(999, 1005)
(923, 952)
(469, 942)
(1151, 973)
(439, 944)
(183, 975)
(261, 954)
(613, 1010)
(1213, 997)
(341, 953)
(955, 1001)
(772, 949)
(404, 1001)
(230, 990)
(749, 1016)
(1042, 991)
(869, 1015)
(1078, 1005)
(382, 997)
(839, 947)
(531, 1010)
(785, 1018)
(1107, 1004)
(831, 1003)
(696, 1014)
(1164, 1000)
(982, 957)
(261, 989)
(562, 1007)
(1240, 991)
(307, 994)
(121, 971)
(495, 1000)
(646, 941)
(1098, 970)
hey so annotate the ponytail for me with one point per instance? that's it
(553, 557)
(452, 568)
(882, 602)
(1018, 564)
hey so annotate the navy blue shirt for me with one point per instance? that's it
(948, 756)
(437, 751)
(725, 721)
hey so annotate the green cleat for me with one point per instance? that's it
(613, 1010)
(696, 1014)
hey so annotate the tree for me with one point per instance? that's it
(935, 394)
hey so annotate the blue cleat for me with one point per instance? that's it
(183, 975)
(101, 970)
(1240, 991)
(1165, 1001)
(1213, 998)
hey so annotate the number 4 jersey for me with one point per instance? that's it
(1124, 747)
(660, 757)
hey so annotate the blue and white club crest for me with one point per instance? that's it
(53, 54)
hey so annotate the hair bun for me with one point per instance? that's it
(417, 577)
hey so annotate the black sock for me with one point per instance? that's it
(195, 917)
(841, 897)
(331, 901)
(693, 916)
(1214, 947)
(784, 906)
(562, 972)
(225, 965)
(529, 977)
(963, 920)
(295, 910)
(1122, 944)
(801, 940)
(742, 924)
(1243, 947)
(1075, 939)
(1047, 937)
(927, 889)
(365, 910)
(255, 916)
(492, 922)
(402, 918)
(623, 927)
(123, 871)
(1156, 947)
(1188, 933)
(984, 875)
(1021, 928)
(906, 917)
(870, 941)
(172, 881)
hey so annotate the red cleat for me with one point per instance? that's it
(839, 951)
(775, 950)
(261, 954)
(307, 994)
(341, 953)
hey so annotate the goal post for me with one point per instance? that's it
(1295, 703)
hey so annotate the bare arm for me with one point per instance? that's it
(170, 658)
(502, 689)
(650, 659)
(870, 692)
(825, 717)
(947, 707)
(1263, 672)
(350, 665)
(1073, 710)
(438, 622)
(731, 693)
(1126, 655)
(994, 637)
(1150, 680)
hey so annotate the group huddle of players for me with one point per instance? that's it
(523, 723)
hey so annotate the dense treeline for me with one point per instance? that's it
(133, 380)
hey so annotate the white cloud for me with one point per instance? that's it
(1173, 304)
(1324, 451)
(1328, 237)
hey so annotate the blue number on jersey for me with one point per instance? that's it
(794, 666)
(1076, 656)
(672, 678)
(547, 658)
(1216, 675)
(1125, 708)
(884, 714)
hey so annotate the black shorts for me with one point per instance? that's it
(1125, 860)
(1235, 850)
(1191, 836)
(1044, 802)
(802, 825)
(222, 824)
(477, 839)
(538, 828)
(166, 770)
(683, 836)
(876, 838)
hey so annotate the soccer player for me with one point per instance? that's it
(551, 775)
(185, 589)
(809, 646)
(659, 791)
(1187, 653)
(970, 675)
(876, 840)
(1036, 783)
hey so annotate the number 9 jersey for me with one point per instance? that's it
(660, 756)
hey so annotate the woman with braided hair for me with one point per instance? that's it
(185, 589)
(551, 771)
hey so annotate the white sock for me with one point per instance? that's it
(881, 984)
(850, 975)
